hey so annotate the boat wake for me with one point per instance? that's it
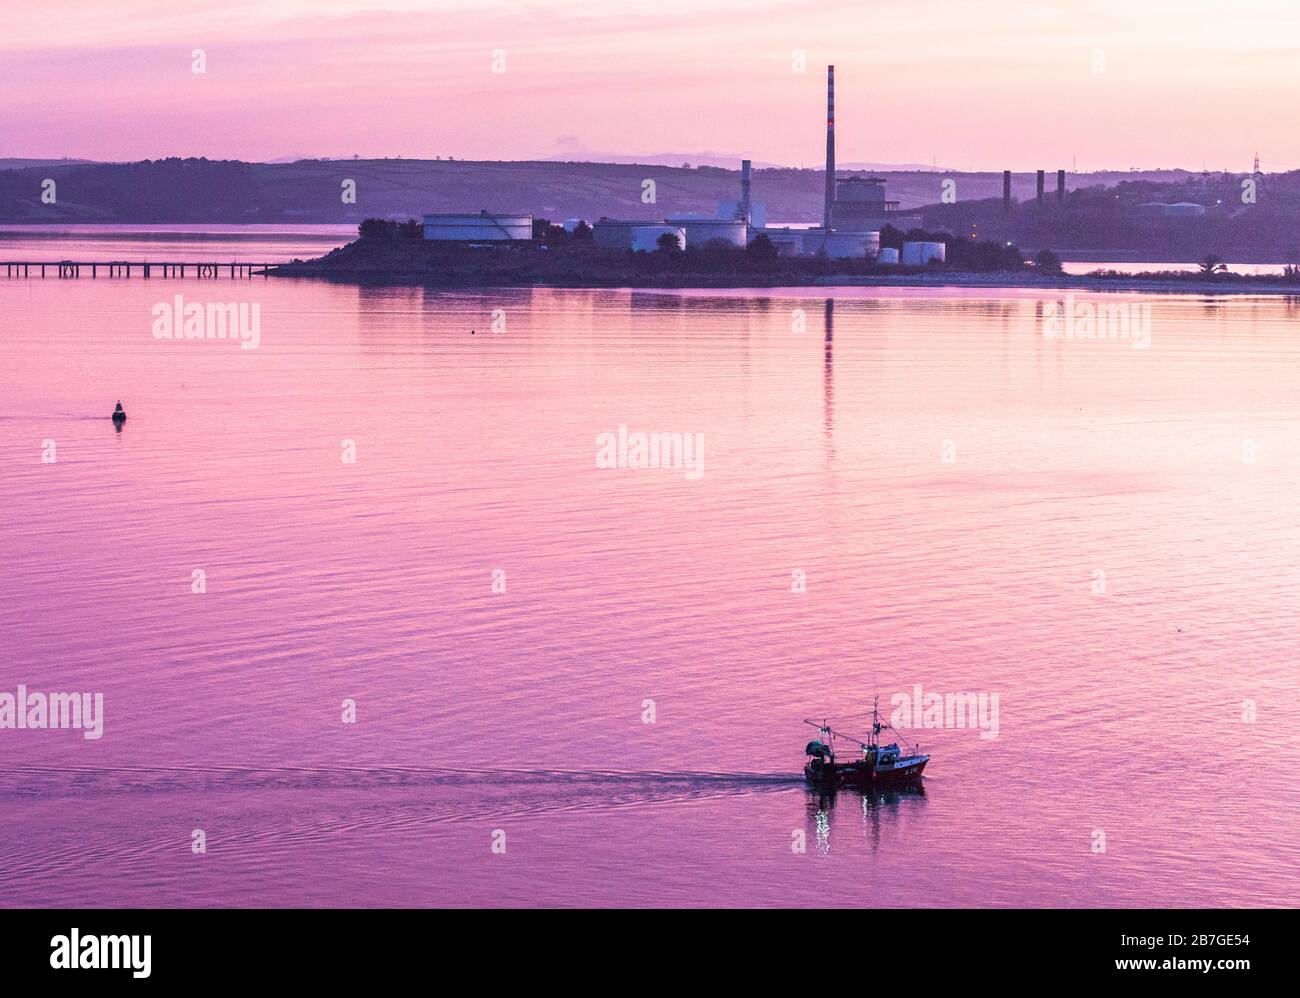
(43, 782)
(268, 816)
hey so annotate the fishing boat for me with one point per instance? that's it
(879, 766)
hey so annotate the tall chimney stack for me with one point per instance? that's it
(1006, 190)
(830, 148)
(1060, 187)
(1040, 188)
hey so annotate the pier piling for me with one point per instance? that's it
(68, 269)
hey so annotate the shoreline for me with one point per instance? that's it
(1243, 284)
(1228, 284)
(386, 254)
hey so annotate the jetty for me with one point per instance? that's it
(67, 269)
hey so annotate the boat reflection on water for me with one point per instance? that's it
(876, 809)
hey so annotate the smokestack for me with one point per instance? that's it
(1060, 187)
(744, 190)
(830, 148)
(1040, 188)
(1006, 190)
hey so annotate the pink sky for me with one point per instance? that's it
(984, 85)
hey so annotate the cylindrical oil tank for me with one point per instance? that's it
(645, 238)
(788, 242)
(614, 234)
(703, 230)
(887, 255)
(919, 254)
(484, 227)
(839, 245)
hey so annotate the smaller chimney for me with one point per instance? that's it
(744, 190)
(1006, 190)
(1060, 187)
(1040, 188)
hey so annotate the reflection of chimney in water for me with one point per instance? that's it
(830, 148)
(828, 373)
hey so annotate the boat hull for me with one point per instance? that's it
(860, 774)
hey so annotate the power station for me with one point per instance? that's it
(854, 210)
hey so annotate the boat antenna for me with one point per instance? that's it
(877, 726)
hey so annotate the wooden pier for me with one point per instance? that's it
(123, 268)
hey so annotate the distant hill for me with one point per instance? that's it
(216, 191)
(228, 191)
(726, 161)
(1128, 219)
(19, 164)
(201, 191)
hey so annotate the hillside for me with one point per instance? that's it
(199, 190)
(1103, 215)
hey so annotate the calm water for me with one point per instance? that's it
(170, 243)
(1173, 470)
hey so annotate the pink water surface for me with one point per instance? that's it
(1174, 470)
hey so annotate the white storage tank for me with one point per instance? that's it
(842, 245)
(919, 254)
(887, 255)
(702, 230)
(645, 238)
(484, 227)
(614, 233)
(788, 242)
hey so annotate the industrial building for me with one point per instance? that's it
(860, 203)
(855, 210)
(919, 254)
(615, 233)
(700, 231)
(645, 238)
(1181, 209)
(484, 227)
(693, 231)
